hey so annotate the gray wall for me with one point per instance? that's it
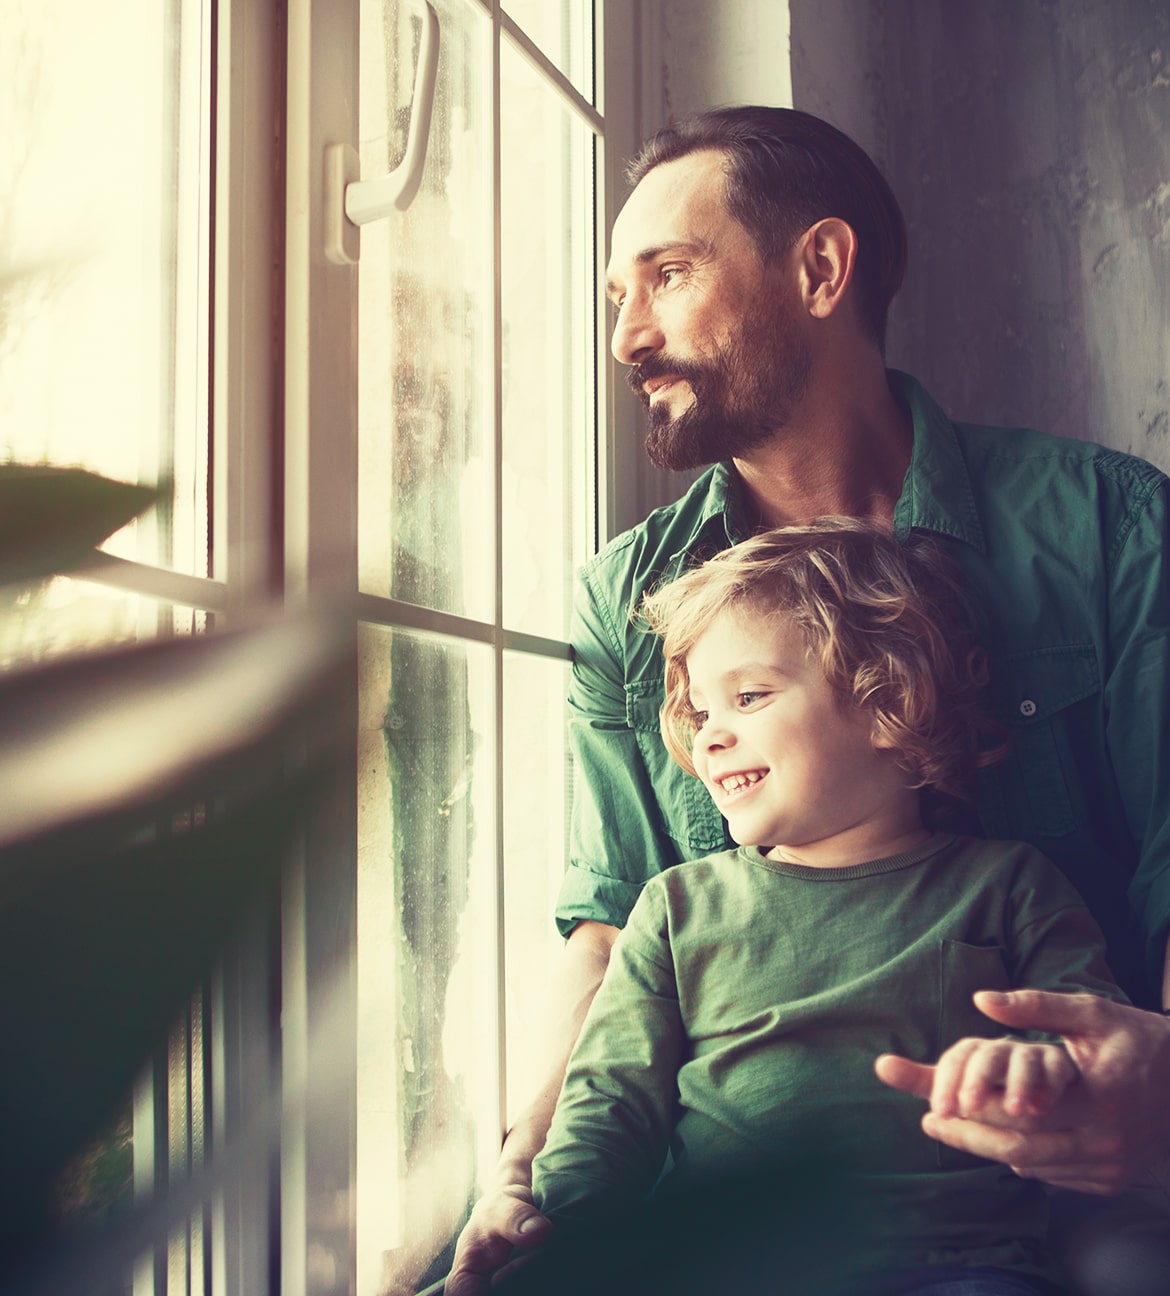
(1029, 143)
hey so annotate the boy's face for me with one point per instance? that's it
(790, 768)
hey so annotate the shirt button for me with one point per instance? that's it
(1027, 707)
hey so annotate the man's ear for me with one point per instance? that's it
(828, 255)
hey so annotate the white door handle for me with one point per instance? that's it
(351, 201)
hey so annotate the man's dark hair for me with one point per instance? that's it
(786, 170)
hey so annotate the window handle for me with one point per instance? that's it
(351, 201)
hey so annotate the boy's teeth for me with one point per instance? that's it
(737, 781)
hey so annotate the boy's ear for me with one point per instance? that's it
(880, 738)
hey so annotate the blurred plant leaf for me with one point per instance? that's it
(52, 518)
(156, 789)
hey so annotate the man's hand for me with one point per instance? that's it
(501, 1221)
(1099, 1134)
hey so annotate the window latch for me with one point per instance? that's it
(351, 201)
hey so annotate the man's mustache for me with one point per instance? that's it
(664, 366)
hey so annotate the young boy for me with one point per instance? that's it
(822, 682)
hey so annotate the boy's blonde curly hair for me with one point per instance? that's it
(887, 622)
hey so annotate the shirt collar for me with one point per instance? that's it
(936, 493)
(719, 521)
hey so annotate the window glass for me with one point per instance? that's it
(425, 393)
(66, 615)
(103, 254)
(537, 795)
(548, 346)
(563, 31)
(463, 772)
(428, 1110)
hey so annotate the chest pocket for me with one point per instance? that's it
(1034, 791)
(963, 969)
(685, 808)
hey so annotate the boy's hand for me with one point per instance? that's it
(1027, 1079)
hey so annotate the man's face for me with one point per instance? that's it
(712, 335)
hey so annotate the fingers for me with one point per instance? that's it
(1038, 1075)
(1049, 1011)
(1010, 1146)
(1023, 1079)
(900, 1073)
(1068, 1158)
(965, 1076)
(499, 1223)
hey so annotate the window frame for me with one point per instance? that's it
(320, 555)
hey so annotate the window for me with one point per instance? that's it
(476, 417)
(414, 436)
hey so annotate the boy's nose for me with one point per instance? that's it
(714, 736)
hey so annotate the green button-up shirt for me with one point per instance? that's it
(1064, 547)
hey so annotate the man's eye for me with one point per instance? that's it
(668, 273)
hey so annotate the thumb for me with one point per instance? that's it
(525, 1225)
(900, 1073)
(1045, 1010)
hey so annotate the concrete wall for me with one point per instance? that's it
(1029, 142)
(697, 54)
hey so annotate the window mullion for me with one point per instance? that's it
(498, 956)
(320, 539)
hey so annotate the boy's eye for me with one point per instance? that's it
(698, 719)
(748, 699)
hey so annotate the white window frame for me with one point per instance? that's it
(320, 423)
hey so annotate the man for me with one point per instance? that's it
(751, 270)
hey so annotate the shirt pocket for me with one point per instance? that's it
(963, 969)
(1036, 791)
(685, 809)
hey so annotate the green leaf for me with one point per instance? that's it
(52, 518)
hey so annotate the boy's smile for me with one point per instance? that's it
(790, 768)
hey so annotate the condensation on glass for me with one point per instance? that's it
(103, 254)
(451, 729)
(425, 393)
(427, 1119)
(537, 802)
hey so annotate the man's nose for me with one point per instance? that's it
(636, 334)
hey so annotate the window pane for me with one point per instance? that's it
(548, 345)
(563, 30)
(428, 1111)
(425, 388)
(537, 791)
(103, 253)
(67, 615)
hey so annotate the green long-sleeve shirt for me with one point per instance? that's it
(1065, 547)
(744, 1006)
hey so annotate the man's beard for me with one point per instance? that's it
(740, 397)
